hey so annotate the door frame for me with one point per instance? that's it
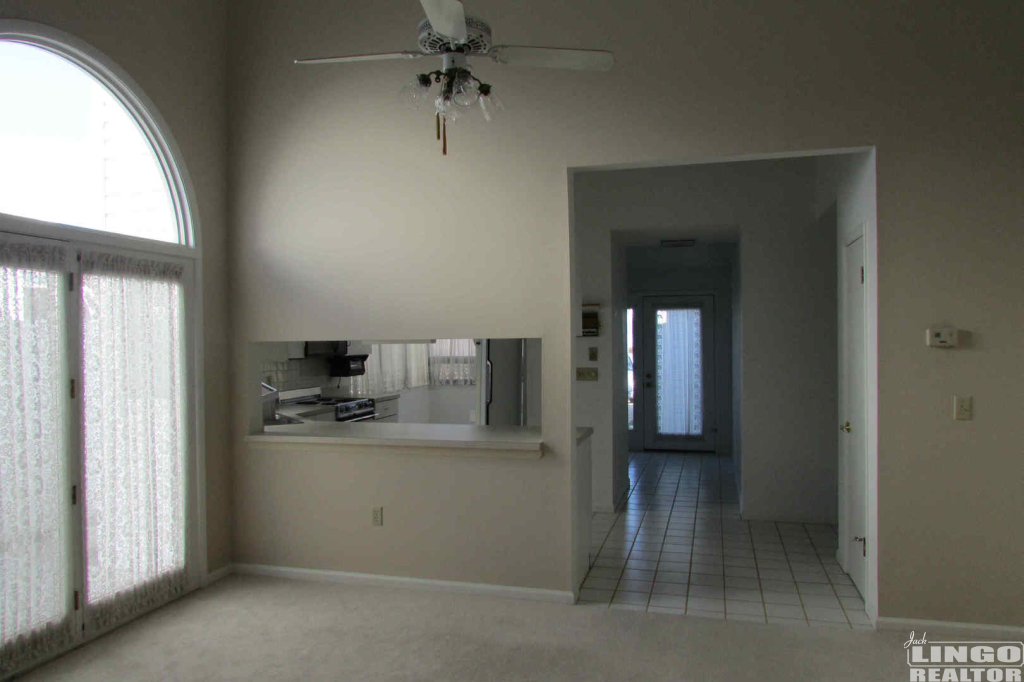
(646, 418)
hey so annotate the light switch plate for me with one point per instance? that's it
(592, 353)
(586, 374)
(963, 407)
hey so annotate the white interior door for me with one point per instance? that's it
(853, 417)
(678, 373)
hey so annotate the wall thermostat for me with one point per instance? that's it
(942, 337)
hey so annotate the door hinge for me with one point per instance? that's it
(74, 494)
(76, 600)
(71, 281)
(72, 388)
(862, 274)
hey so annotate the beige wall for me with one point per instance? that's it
(460, 518)
(342, 202)
(175, 52)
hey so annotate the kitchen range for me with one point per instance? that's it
(308, 404)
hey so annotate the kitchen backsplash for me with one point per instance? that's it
(297, 373)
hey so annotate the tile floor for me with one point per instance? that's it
(679, 546)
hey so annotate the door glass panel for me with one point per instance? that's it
(629, 365)
(135, 433)
(680, 391)
(34, 556)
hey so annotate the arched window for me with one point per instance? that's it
(80, 148)
(99, 448)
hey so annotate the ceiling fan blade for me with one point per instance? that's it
(447, 17)
(553, 57)
(382, 56)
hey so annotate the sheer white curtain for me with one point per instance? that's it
(35, 569)
(133, 394)
(392, 367)
(680, 372)
(452, 362)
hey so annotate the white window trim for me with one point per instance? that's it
(189, 251)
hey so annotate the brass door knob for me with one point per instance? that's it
(845, 428)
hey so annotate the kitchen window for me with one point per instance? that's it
(99, 448)
(452, 362)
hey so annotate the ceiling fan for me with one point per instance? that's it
(448, 32)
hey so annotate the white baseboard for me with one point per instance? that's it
(531, 593)
(617, 506)
(918, 626)
(222, 572)
(620, 504)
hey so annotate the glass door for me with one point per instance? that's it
(94, 442)
(135, 435)
(37, 533)
(678, 381)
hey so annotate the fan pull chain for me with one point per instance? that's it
(437, 125)
(444, 137)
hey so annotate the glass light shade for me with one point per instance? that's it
(447, 109)
(490, 105)
(466, 92)
(415, 95)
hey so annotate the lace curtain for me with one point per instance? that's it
(680, 372)
(392, 367)
(35, 563)
(133, 395)
(452, 362)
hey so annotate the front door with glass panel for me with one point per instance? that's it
(678, 386)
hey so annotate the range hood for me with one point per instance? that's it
(328, 348)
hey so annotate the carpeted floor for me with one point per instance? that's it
(248, 628)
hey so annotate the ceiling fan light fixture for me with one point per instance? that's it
(449, 33)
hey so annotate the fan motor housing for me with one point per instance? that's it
(478, 38)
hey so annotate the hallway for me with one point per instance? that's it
(679, 546)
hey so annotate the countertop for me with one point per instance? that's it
(515, 441)
(300, 411)
(524, 441)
